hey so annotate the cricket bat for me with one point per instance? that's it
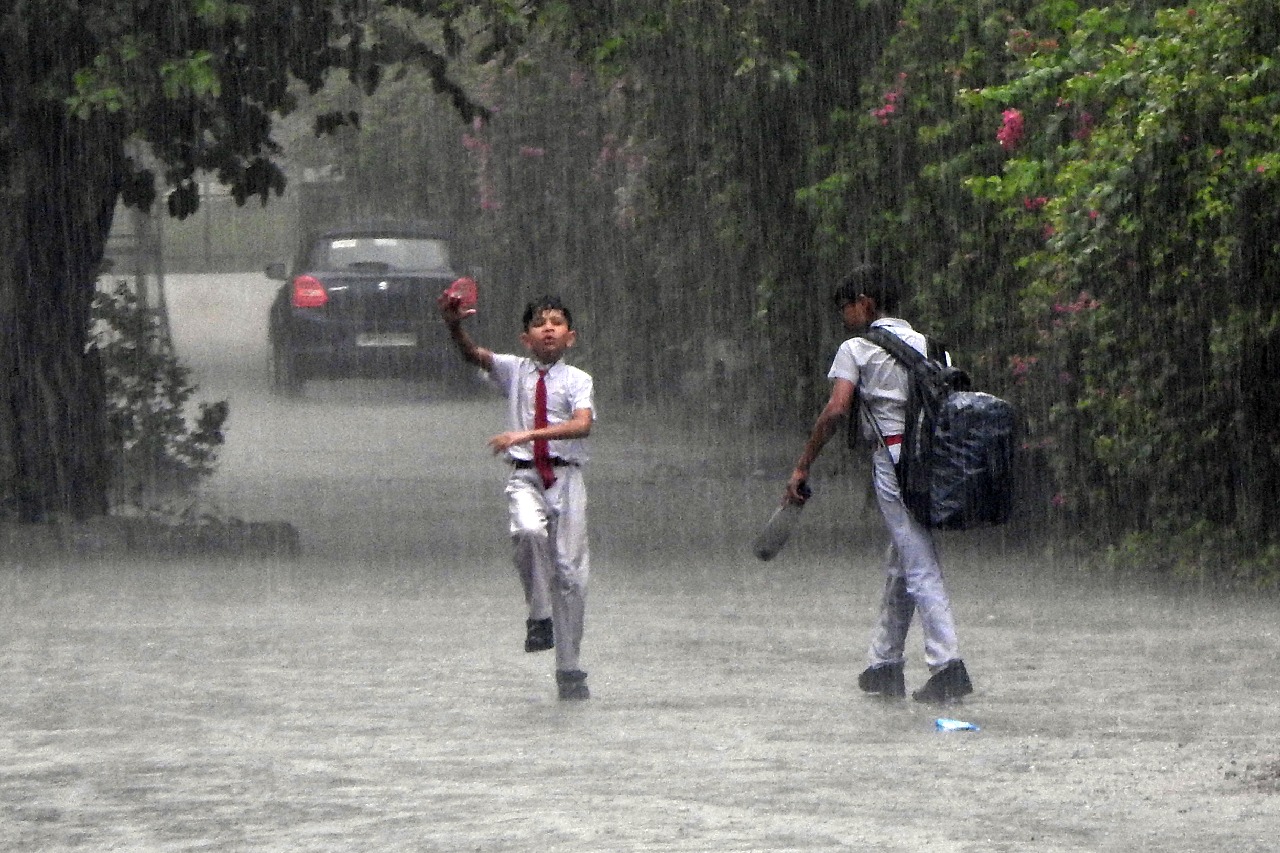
(777, 530)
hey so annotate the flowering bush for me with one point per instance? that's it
(1151, 289)
(1111, 266)
(1011, 129)
(892, 99)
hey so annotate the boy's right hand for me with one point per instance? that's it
(798, 491)
(451, 310)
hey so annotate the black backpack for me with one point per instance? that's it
(956, 467)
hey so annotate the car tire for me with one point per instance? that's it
(286, 377)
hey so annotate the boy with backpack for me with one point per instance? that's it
(868, 300)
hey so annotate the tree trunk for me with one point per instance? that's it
(61, 185)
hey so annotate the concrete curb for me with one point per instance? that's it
(120, 536)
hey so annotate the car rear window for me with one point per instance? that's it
(382, 253)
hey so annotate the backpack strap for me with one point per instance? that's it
(934, 364)
(895, 346)
(935, 349)
(900, 350)
(865, 411)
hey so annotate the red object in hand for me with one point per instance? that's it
(464, 291)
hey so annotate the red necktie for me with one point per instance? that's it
(541, 454)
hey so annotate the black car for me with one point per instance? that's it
(360, 300)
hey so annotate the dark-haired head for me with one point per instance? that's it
(868, 280)
(546, 302)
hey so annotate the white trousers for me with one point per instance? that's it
(549, 535)
(913, 580)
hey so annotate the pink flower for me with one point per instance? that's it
(886, 110)
(1084, 302)
(1021, 365)
(531, 151)
(1011, 130)
(1084, 127)
(1034, 204)
(1021, 42)
(1058, 501)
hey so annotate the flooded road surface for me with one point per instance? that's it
(372, 695)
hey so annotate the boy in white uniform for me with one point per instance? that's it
(550, 414)
(913, 582)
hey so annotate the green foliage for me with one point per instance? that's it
(627, 158)
(1150, 140)
(1086, 198)
(156, 450)
(112, 100)
(198, 81)
(1083, 194)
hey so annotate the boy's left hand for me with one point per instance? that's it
(505, 440)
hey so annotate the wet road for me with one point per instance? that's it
(368, 470)
(379, 472)
(372, 695)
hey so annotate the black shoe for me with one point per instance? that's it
(946, 685)
(572, 684)
(884, 680)
(539, 635)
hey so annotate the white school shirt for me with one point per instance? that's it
(880, 379)
(568, 389)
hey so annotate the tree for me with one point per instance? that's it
(710, 115)
(102, 100)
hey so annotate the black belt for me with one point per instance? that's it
(556, 462)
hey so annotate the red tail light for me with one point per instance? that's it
(308, 292)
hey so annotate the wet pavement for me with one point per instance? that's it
(371, 694)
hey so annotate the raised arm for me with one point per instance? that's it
(453, 314)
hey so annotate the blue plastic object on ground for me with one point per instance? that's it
(944, 724)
